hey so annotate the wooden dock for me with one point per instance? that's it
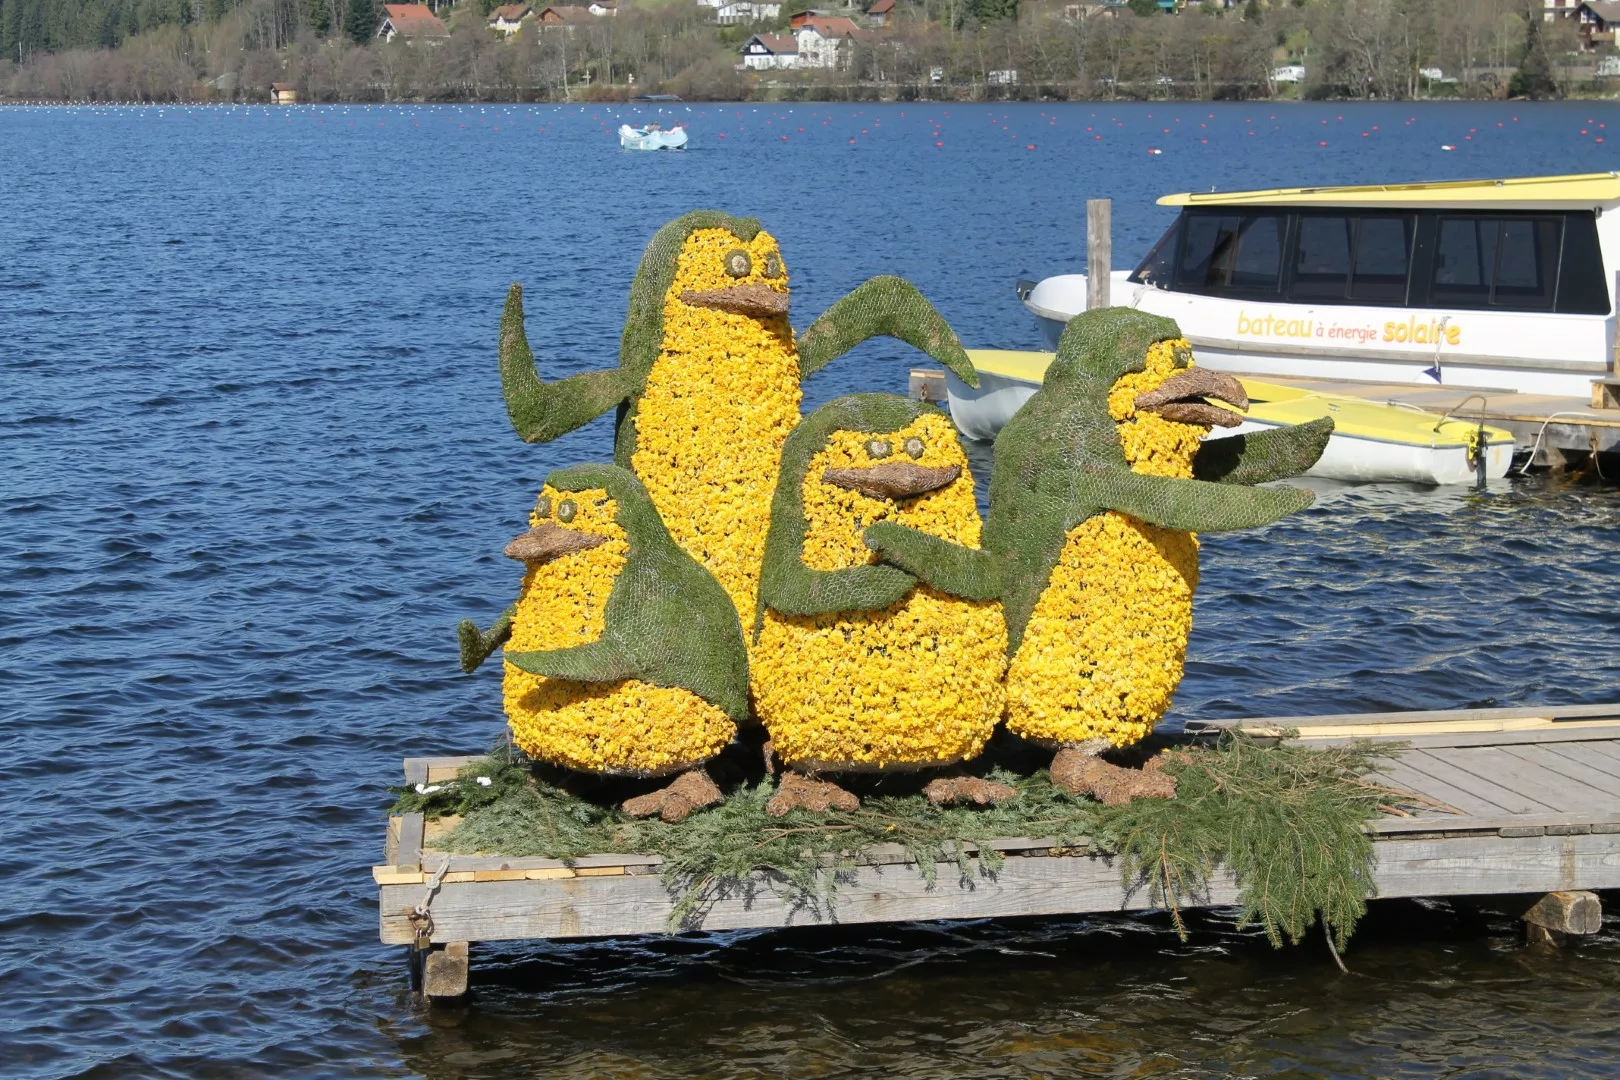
(1527, 804)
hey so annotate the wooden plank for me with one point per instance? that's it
(415, 771)
(1594, 760)
(1553, 712)
(1607, 751)
(1529, 781)
(1450, 823)
(1408, 776)
(1571, 766)
(397, 875)
(391, 841)
(410, 841)
(1560, 733)
(1512, 802)
(630, 904)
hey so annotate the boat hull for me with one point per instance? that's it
(1375, 443)
(636, 139)
(1494, 351)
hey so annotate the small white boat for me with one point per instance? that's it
(1373, 441)
(1495, 285)
(652, 137)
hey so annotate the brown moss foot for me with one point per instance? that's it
(688, 792)
(948, 790)
(1080, 773)
(798, 792)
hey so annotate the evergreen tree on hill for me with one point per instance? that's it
(1534, 79)
(360, 20)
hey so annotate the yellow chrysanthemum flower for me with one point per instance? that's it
(1104, 648)
(720, 401)
(917, 683)
(628, 726)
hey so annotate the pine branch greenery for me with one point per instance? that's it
(1288, 821)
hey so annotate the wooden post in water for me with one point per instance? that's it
(1099, 251)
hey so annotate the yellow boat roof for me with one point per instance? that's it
(1277, 403)
(1584, 189)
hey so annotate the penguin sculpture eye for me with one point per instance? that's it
(542, 507)
(878, 448)
(773, 265)
(566, 511)
(914, 447)
(738, 263)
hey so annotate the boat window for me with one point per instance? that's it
(1383, 249)
(1232, 253)
(1496, 262)
(1322, 258)
(1160, 265)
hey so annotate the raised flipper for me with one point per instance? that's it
(885, 306)
(960, 571)
(1190, 505)
(477, 645)
(1261, 456)
(541, 411)
(599, 662)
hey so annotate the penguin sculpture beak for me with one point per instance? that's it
(1180, 398)
(740, 300)
(545, 542)
(892, 480)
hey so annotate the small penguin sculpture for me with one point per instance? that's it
(1099, 482)
(626, 656)
(856, 666)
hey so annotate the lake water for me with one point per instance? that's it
(256, 466)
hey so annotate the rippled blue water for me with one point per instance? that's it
(256, 466)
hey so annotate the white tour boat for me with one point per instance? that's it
(1488, 284)
(1495, 286)
(652, 137)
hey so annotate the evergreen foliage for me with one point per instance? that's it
(360, 20)
(1287, 820)
(1534, 77)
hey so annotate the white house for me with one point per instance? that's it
(734, 12)
(1289, 73)
(412, 22)
(821, 38)
(765, 51)
(509, 18)
(600, 8)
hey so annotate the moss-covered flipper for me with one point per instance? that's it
(855, 666)
(477, 645)
(885, 306)
(1089, 542)
(1262, 456)
(625, 656)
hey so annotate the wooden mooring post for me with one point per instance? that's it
(1522, 804)
(1099, 252)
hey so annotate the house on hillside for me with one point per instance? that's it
(565, 18)
(822, 37)
(1598, 20)
(413, 22)
(880, 13)
(798, 18)
(763, 52)
(735, 12)
(600, 8)
(509, 18)
(283, 93)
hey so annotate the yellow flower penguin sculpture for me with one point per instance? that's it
(857, 667)
(707, 386)
(625, 655)
(1099, 482)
